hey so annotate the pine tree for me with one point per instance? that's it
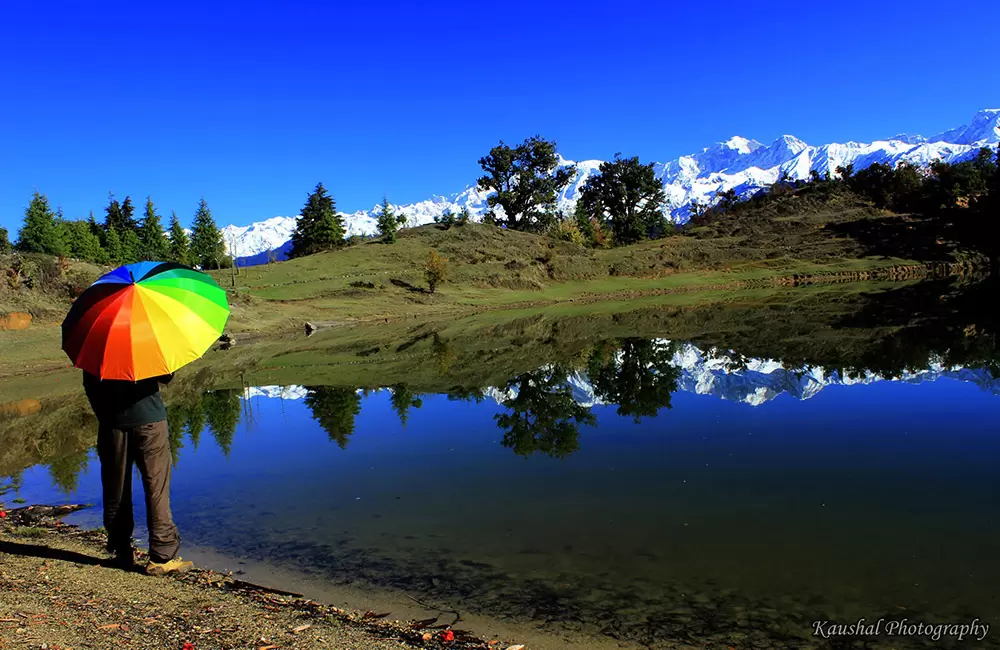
(4, 241)
(207, 248)
(120, 215)
(155, 246)
(402, 400)
(388, 222)
(113, 247)
(81, 241)
(128, 220)
(319, 228)
(41, 232)
(222, 412)
(179, 244)
(131, 247)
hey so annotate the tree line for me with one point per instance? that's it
(621, 204)
(121, 238)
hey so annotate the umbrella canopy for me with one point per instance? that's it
(144, 320)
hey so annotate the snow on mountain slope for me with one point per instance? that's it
(715, 373)
(738, 163)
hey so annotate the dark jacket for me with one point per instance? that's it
(126, 404)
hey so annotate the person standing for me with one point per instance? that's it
(132, 428)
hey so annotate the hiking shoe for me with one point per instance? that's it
(124, 560)
(176, 565)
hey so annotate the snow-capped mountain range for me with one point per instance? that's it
(715, 373)
(739, 163)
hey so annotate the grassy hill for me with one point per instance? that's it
(494, 268)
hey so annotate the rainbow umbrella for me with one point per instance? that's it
(144, 320)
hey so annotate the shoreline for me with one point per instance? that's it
(270, 602)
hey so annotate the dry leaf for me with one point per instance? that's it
(515, 647)
(109, 626)
(267, 647)
(426, 636)
(302, 628)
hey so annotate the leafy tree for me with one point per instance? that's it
(403, 399)
(222, 412)
(443, 353)
(640, 378)
(41, 232)
(543, 416)
(155, 246)
(463, 217)
(435, 270)
(727, 200)
(626, 195)
(335, 409)
(207, 248)
(319, 228)
(4, 241)
(845, 171)
(180, 246)
(525, 182)
(388, 222)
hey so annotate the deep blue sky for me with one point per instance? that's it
(249, 104)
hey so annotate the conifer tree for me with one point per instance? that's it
(335, 409)
(120, 215)
(81, 242)
(319, 227)
(207, 248)
(41, 232)
(113, 247)
(4, 241)
(128, 218)
(402, 400)
(179, 244)
(388, 222)
(131, 247)
(155, 246)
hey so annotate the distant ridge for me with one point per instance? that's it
(739, 163)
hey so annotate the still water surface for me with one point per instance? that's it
(728, 506)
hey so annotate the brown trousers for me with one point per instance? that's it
(148, 447)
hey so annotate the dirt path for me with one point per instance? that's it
(58, 591)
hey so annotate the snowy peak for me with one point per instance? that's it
(740, 164)
(983, 130)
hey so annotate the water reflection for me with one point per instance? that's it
(543, 415)
(638, 375)
(713, 476)
(335, 409)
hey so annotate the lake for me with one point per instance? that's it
(831, 457)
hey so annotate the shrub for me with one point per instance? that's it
(436, 270)
(568, 231)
